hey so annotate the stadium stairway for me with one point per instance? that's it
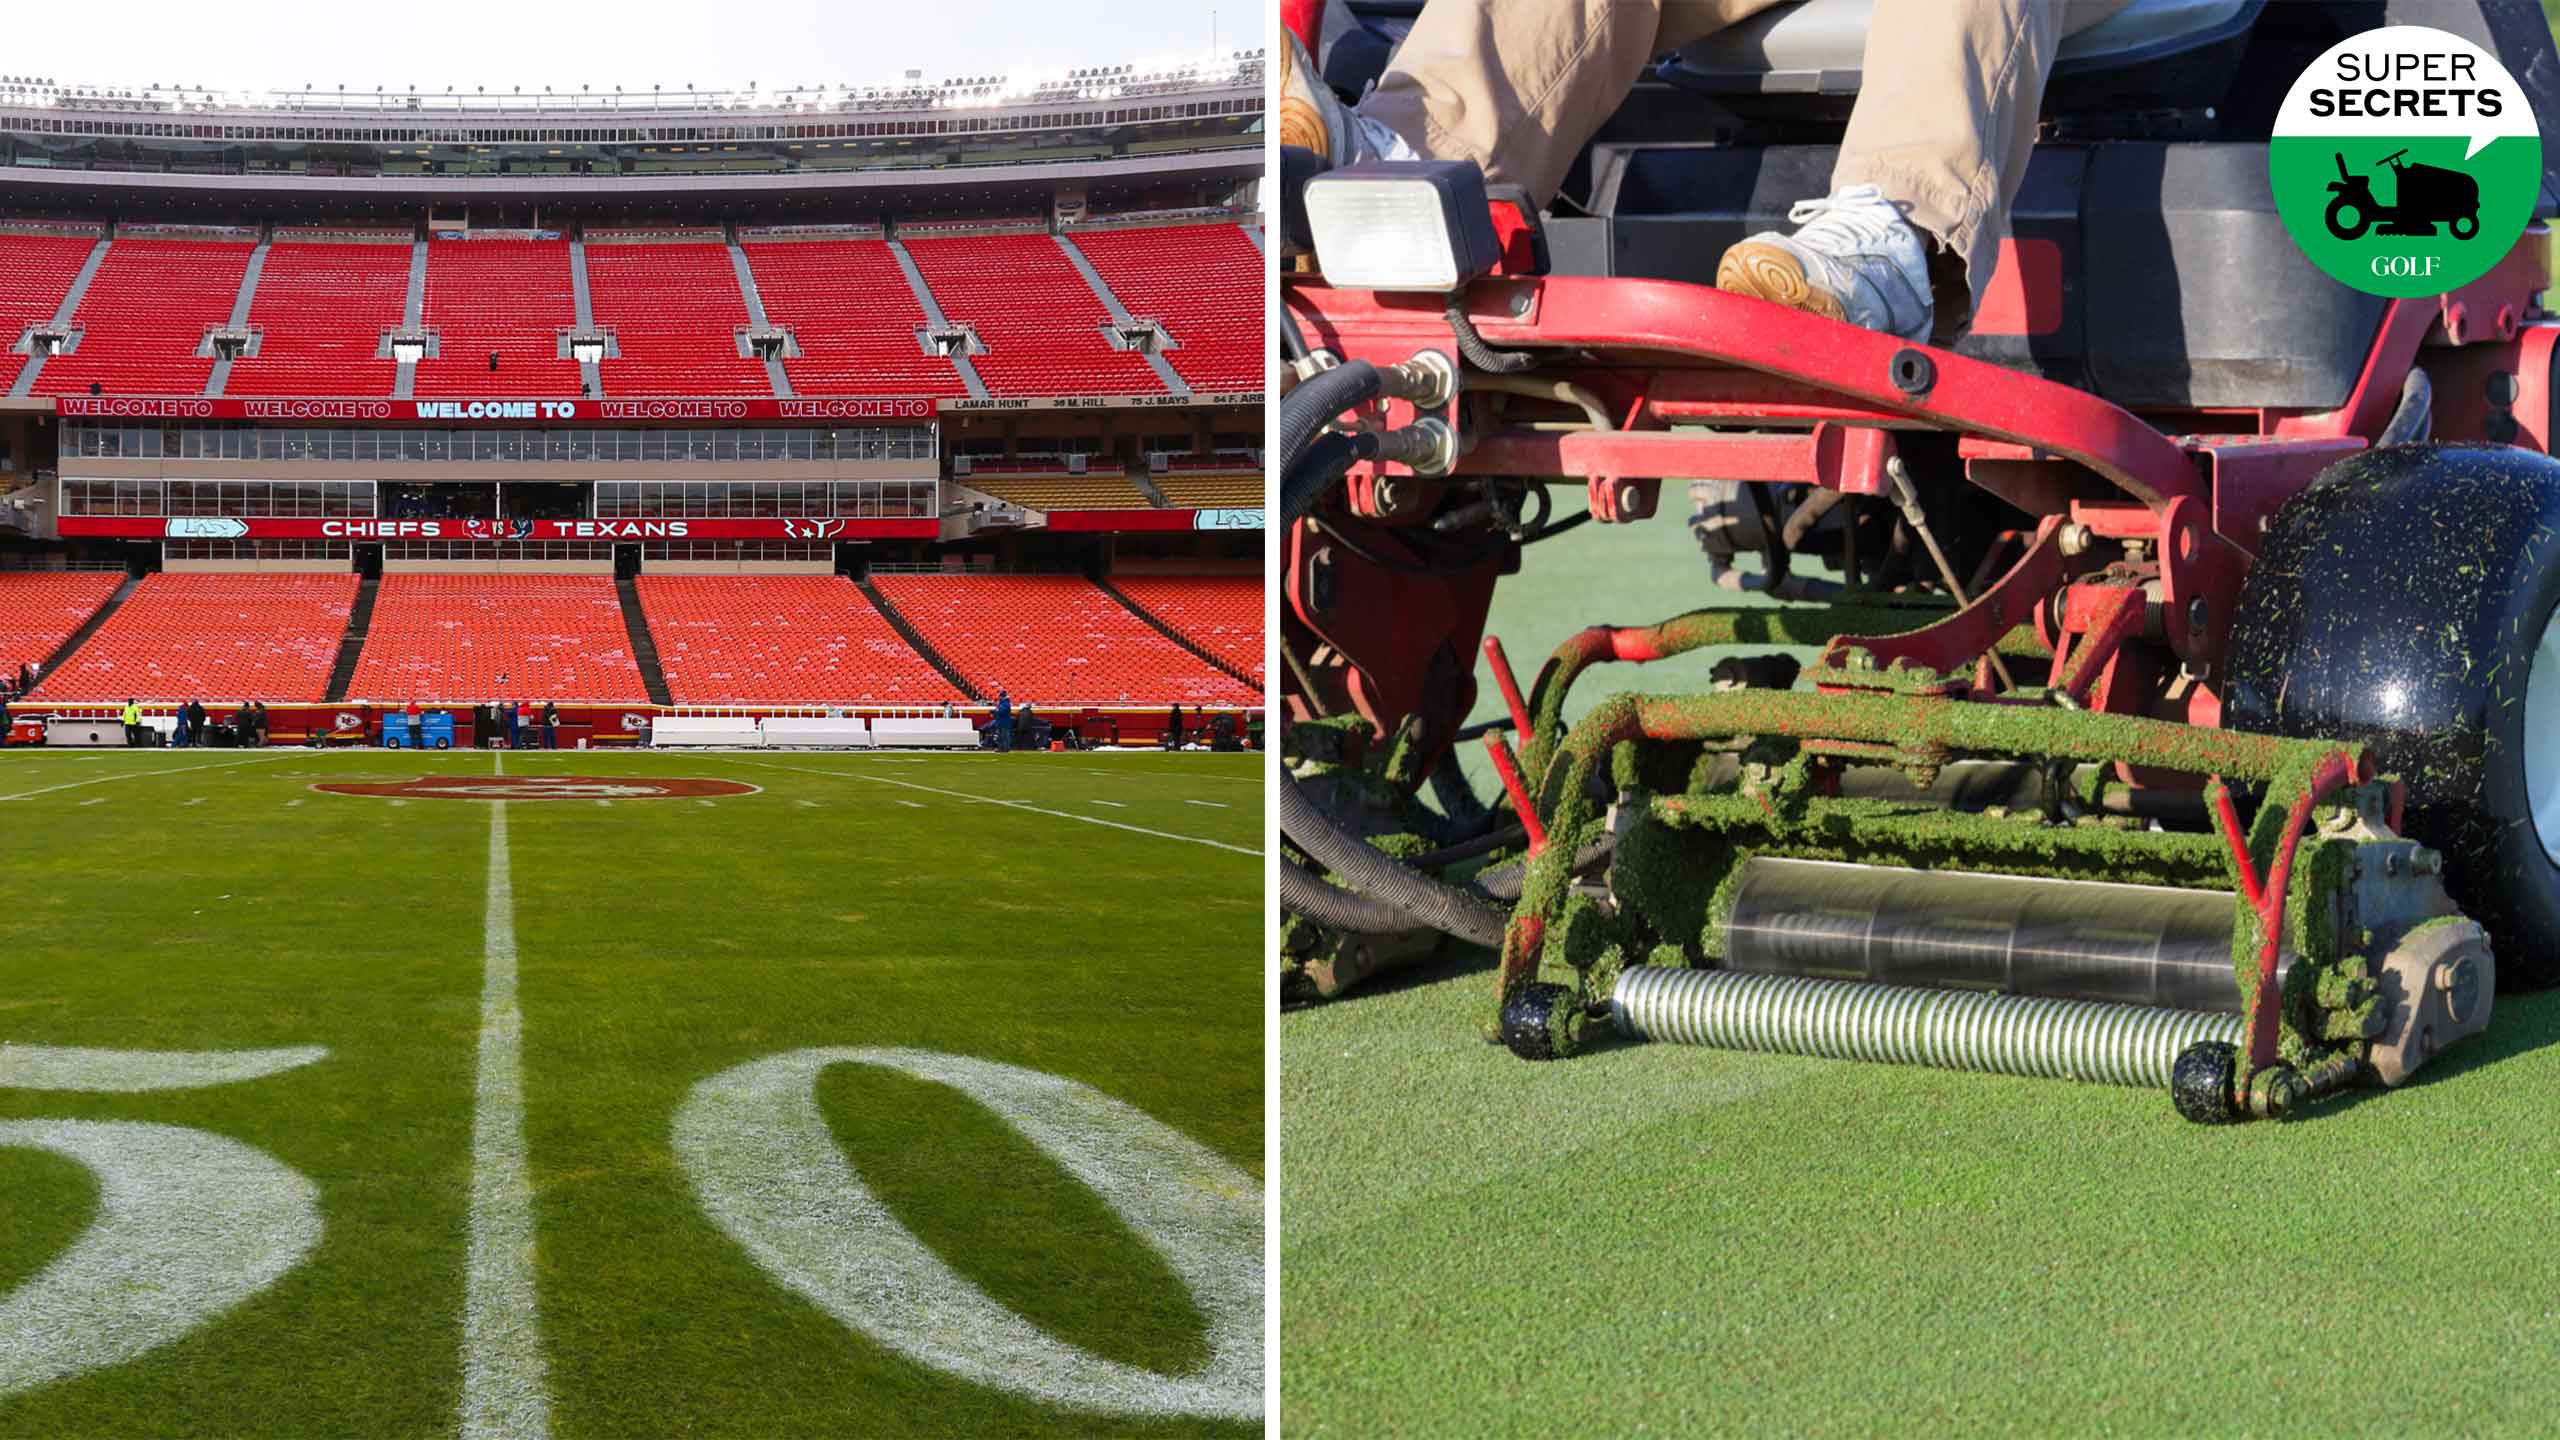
(1176, 636)
(916, 641)
(88, 627)
(62, 313)
(644, 646)
(342, 671)
(1173, 381)
(221, 374)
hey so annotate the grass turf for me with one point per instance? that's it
(172, 901)
(1675, 1240)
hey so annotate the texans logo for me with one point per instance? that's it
(813, 529)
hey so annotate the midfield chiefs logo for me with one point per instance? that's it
(543, 787)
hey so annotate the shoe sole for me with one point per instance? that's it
(1766, 272)
(1302, 125)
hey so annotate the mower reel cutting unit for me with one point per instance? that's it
(2212, 750)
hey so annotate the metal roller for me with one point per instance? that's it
(2065, 939)
(1902, 1024)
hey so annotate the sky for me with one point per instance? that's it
(638, 44)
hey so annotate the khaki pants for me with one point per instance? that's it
(1943, 125)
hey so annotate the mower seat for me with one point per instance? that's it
(1818, 47)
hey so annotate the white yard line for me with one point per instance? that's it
(1114, 804)
(503, 1389)
(1212, 804)
(145, 774)
(1009, 804)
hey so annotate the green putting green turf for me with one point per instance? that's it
(1672, 1240)
(1092, 918)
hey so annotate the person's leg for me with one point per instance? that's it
(1946, 118)
(1517, 86)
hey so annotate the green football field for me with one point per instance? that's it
(875, 1095)
(1674, 1240)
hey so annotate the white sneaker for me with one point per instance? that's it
(1853, 257)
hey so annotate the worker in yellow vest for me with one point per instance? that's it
(132, 722)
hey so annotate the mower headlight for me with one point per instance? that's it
(1402, 225)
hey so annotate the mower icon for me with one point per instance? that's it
(2427, 194)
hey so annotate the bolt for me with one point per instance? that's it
(2391, 864)
(1520, 304)
(1629, 497)
(1389, 495)
(2197, 614)
(2075, 539)
(2426, 862)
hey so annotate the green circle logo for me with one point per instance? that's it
(2405, 161)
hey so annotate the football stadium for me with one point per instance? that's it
(632, 757)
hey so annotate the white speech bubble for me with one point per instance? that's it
(2405, 56)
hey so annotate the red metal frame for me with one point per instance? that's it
(1796, 398)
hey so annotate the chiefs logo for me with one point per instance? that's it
(347, 720)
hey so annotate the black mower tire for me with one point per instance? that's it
(2364, 219)
(2398, 601)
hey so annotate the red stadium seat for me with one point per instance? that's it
(1221, 614)
(320, 311)
(510, 296)
(144, 314)
(449, 638)
(36, 271)
(1203, 283)
(674, 310)
(40, 610)
(855, 316)
(782, 639)
(212, 637)
(1042, 324)
(1055, 640)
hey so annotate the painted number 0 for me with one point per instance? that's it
(189, 1223)
(770, 1173)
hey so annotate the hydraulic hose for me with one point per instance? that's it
(1381, 878)
(1320, 467)
(1309, 469)
(1335, 908)
(1304, 413)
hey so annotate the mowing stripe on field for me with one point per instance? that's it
(143, 775)
(1009, 804)
(503, 1393)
